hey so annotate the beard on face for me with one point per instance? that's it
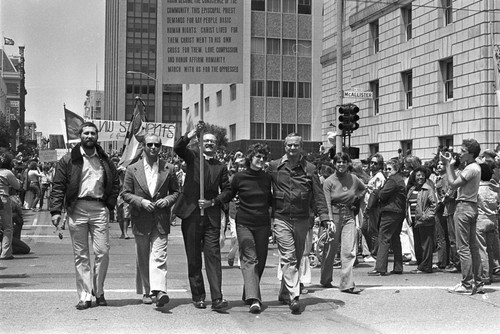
(89, 143)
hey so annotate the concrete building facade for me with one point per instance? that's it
(93, 104)
(429, 65)
(281, 89)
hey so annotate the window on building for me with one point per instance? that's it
(289, 6)
(407, 22)
(304, 91)
(373, 148)
(258, 45)
(374, 36)
(287, 129)
(305, 131)
(256, 130)
(408, 88)
(207, 104)
(273, 131)
(304, 48)
(406, 147)
(374, 87)
(447, 11)
(274, 5)
(304, 7)
(273, 88)
(447, 75)
(257, 88)
(232, 132)
(219, 98)
(259, 5)
(196, 109)
(288, 89)
(446, 142)
(232, 92)
(273, 46)
(289, 47)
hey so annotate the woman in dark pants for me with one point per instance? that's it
(421, 202)
(253, 222)
(392, 202)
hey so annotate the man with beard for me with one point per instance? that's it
(87, 184)
(201, 232)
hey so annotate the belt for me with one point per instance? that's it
(88, 198)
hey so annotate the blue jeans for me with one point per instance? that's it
(465, 219)
(346, 235)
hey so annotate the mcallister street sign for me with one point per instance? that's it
(354, 93)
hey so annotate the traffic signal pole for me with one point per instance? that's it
(340, 68)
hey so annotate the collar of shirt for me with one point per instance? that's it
(208, 157)
(82, 151)
(151, 168)
(284, 160)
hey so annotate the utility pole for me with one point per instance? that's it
(340, 67)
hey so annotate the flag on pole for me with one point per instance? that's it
(8, 41)
(72, 122)
(132, 146)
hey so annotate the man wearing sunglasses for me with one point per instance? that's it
(151, 188)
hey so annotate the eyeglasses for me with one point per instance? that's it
(373, 162)
(388, 169)
(157, 145)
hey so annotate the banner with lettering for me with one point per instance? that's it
(117, 130)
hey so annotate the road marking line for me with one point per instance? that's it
(418, 287)
(73, 290)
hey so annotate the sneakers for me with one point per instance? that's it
(369, 259)
(255, 307)
(478, 289)
(460, 289)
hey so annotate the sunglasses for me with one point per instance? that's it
(158, 145)
(373, 162)
(388, 169)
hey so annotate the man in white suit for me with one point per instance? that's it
(151, 188)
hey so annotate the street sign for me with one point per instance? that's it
(354, 93)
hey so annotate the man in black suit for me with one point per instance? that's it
(201, 232)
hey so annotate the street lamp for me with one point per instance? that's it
(158, 95)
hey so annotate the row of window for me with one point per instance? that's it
(407, 145)
(446, 12)
(446, 75)
(288, 89)
(276, 46)
(278, 130)
(218, 96)
(140, 6)
(283, 6)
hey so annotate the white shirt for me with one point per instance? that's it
(151, 175)
(92, 176)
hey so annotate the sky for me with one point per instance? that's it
(64, 54)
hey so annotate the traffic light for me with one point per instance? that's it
(348, 117)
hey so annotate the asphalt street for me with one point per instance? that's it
(38, 295)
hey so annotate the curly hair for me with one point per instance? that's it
(472, 146)
(254, 149)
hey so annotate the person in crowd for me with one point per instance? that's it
(201, 231)
(361, 173)
(372, 213)
(343, 191)
(253, 223)
(8, 181)
(34, 177)
(181, 175)
(442, 233)
(86, 182)
(488, 202)
(412, 162)
(421, 201)
(18, 246)
(392, 203)
(450, 204)
(465, 216)
(45, 183)
(122, 207)
(296, 189)
(151, 188)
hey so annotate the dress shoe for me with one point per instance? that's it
(101, 301)
(83, 305)
(327, 285)
(411, 263)
(418, 271)
(200, 304)
(219, 304)
(284, 301)
(230, 262)
(396, 272)
(146, 299)
(452, 270)
(352, 291)
(162, 299)
(376, 273)
(295, 305)
(255, 307)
